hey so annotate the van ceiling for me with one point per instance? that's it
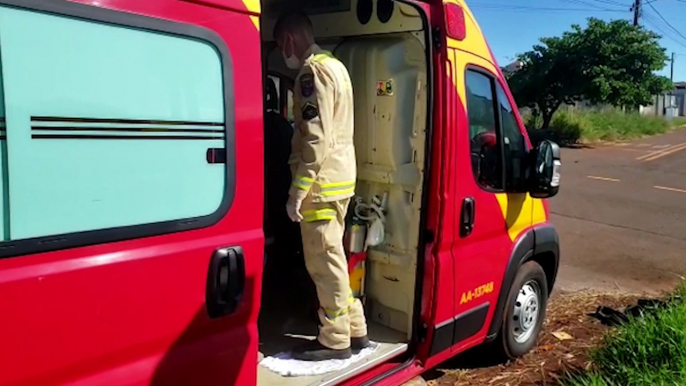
(343, 18)
(310, 6)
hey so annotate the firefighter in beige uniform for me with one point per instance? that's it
(324, 174)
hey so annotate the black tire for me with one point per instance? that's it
(515, 339)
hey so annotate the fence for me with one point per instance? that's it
(667, 105)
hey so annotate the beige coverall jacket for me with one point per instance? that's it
(323, 152)
(324, 174)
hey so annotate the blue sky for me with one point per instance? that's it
(514, 26)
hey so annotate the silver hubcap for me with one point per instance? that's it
(526, 311)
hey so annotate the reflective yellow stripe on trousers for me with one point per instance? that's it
(332, 315)
(319, 215)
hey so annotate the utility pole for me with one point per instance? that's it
(637, 11)
(671, 80)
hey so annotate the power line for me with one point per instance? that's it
(590, 3)
(655, 24)
(671, 65)
(582, 2)
(492, 6)
(665, 20)
(611, 2)
(669, 31)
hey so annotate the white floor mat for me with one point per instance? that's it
(286, 366)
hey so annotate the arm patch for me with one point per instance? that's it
(310, 111)
(307, 85)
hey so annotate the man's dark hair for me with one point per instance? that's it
(292, 21)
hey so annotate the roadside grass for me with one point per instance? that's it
(679, 122)
(573, 126)
(646, 351)
(551, 359)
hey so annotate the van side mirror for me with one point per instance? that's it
(545, 175)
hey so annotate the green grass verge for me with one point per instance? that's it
(572, 126)
(650, 351)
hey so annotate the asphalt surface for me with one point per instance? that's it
(621, 215)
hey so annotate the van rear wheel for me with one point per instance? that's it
(524, 311)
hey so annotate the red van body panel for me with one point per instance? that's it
(133, 312)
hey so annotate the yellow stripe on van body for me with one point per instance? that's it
(253, 6)
(462, 59)
(539, 215)
(474, 41)
(256, 21)
(520, 211)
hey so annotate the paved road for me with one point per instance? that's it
(621, 214)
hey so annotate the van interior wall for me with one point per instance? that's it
(386, 59)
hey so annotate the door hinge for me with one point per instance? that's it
(437, 38)
(429, 236)
(423, 332)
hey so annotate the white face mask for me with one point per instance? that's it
(292, 61)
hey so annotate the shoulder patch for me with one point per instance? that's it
(307, 85)
(309, 111)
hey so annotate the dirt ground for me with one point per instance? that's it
(563, 346)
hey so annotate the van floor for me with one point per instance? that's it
(288, 318)
(389, 347)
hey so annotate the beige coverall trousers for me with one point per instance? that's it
(341, 315)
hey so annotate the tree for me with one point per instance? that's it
(607, 62)
(544, 81)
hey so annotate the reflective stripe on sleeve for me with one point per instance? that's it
(321, 58)
(303, 183)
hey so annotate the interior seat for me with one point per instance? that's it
(282, 232)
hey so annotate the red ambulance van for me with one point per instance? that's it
(132, 202)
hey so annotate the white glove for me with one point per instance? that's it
(293, 209)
